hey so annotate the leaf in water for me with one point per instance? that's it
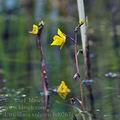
(74, 117)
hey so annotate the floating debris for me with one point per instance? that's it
(111, 75)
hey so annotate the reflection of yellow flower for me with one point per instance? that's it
(34, 30)
(63, 90)
(60, 39)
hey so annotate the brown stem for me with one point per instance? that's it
(77, 69)
(43, 76)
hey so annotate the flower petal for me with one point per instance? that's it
(63, 90)
(62, 35)
(34, 29)
(57, 40)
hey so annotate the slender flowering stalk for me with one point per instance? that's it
(77, 75)
(85, 45)
(60, 40)
(37, 30)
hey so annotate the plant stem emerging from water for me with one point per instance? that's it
(77, 67)
(43, 70)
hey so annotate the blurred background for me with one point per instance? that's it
(20, 83)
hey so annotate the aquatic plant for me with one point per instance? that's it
(63, 90)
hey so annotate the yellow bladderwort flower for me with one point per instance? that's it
(59, 40)
(34, 30)
(63, 90)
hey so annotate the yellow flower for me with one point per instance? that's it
(34, 30)
(59, 40)
(63, 90)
